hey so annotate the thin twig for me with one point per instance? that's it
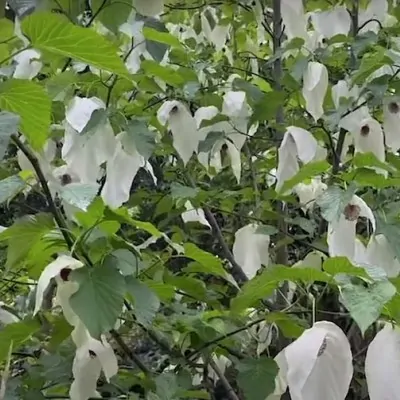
(227, 386)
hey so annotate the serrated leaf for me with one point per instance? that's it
(24, 234)
(79, 195)
(179, 191)
(161, 37)
(211, 264)
(333, 201)
(8, 125)
(146, 302)
(264, 284)
(123, 259)
(167, 74)
(30, 101)
(16, 334)
(290, 326)
(99, 299)
(370, 160)
(257, 377)
(307, 171)
(142, 138)
(365, 304)
(114, 15)
(342, 265)
(55, 34)
(97, 119)
(10, 187)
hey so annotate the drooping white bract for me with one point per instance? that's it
(251, 249)
(121, 170)
(149, 8)
(315, 85)
(92, 356)
(391, 125)
(378, 253)
(369, 139)
(342, 232)
(6, 317)
(294, 18)
(218, 34)
(183, 128)
(308, 192)
(194, 215)
(84, 154)
(318, 365)
(382, 364)
(52, 271)
(28, 65)
(335, 21)
(297, 144)
(377, 10)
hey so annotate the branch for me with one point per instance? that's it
(227, 386)
(43, 182)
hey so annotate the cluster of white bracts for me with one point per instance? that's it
(92, 355)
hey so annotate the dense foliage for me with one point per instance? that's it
(199, 199)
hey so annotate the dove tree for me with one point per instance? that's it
(199, 199)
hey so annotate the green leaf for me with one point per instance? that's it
(97, 119)
(30, 101)
(370, 160)
(16, 334)
(179, 191)
(24, 234)
(55, 34)
(212, 264)
(123, 259)
(365, 304)
(208, 143)
(99, 299)
(333, 202)
(263, 285)
(79, 195)
(290, 326)
(342, 265)
(257, 377)
(307, 171)
(146, 302)
(8, 125)
(167, 74)
(161, 37)
(114, 14)
(10, 187)
(142, 138)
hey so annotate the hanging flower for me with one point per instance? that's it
(28, 65)
(342, 232)
(194, 215)
(251, 249)
(318, 362)
(382, 364)
(332, 22)
(183, 127)
(84, 154)
(315, 85)
(391, 124)
(296, 143)
(308, 192)
(369, 138)
(294, 19)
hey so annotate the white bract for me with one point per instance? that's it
(194, 215)
(342, 232)
(318, 365)
(382, 364)
(84, 154)
(251, 249)
(294, 18)
(315, 85)
(391, 125)
(28, 65)
(297, 144)
(335, 21)
(183, 127)
(308, 192)
(149, 8)
(121, 170)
